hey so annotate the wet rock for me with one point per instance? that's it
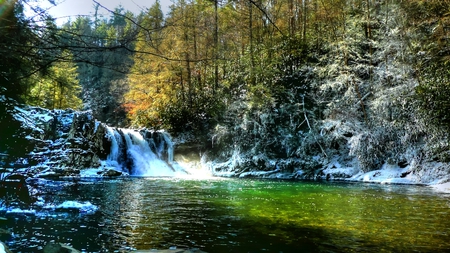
(81, 158)
(14, 188)
(58, 172)
(71, 172)
(87, 142)
(53, 247)
(90, 134)
(111, 173)
(404, 174)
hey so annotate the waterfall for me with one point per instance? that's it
(142, 153)
(169, 144)
(116, 142)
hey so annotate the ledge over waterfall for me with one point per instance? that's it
(53, 143)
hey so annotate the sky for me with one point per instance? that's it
(73, 8)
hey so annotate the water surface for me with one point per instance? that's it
(230, 215)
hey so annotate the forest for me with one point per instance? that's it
(364, 79)
(226, 126)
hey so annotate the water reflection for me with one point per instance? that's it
(237, 216)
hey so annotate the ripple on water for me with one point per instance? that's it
(233, 215)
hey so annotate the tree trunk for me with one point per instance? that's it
(252, 55)
(304, 15)
(189, 79)
(216, 46)
(291, 19)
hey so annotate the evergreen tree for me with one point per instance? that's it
(102, 50)
(60, 88)
(24, 47)
(27, 49)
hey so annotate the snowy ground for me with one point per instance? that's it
(393, 174)
(445, 187)
(435, 176)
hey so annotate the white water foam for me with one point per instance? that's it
(116, 140)
(151, 156)
(83, 207)
(21, 211)
(146, 163)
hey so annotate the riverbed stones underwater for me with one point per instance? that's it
(52, 247)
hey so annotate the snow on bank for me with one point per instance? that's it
(82, 207)
(69, 205)
(388, 174)
(21, 211)
(2, 248)
(445, 187)
(274, 174)
(435, 176)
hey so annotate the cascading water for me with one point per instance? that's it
(142, 153)
(116, 142)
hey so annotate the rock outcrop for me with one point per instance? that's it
(57, 142)
(87, 142)
(64, 143)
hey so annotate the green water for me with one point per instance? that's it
(350, 216)
(229, 215)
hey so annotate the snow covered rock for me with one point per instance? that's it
(53, 142)
(4, 248)
(64, 143)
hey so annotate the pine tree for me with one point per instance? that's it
(60, 88)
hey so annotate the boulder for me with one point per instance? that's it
(53, 247)
(112, 173)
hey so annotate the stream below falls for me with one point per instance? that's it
(230, 215)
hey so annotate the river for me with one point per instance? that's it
(231, 215)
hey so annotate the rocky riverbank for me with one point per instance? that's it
(274, 144)
(51, 142)
(67, 143)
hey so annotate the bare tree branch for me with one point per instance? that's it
(260, 8)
